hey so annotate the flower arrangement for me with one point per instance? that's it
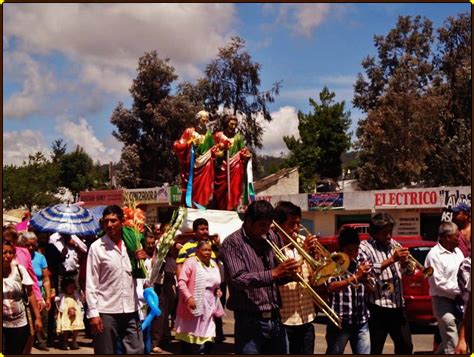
(133, 228)
(167, 241)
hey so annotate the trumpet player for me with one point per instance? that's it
(347, 298)
(445, 258)
(297, 311)
(252, 276)
(387, 311)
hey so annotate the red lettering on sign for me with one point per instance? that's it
(414, 199)
(391, 196)
(378, 199)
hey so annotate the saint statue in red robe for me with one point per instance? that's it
(199, 140)
(231, 167)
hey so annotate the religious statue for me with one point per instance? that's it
(196, 151)
(231, 168)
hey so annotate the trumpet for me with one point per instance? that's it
(322, 269)
(318, 301)
(413, 264)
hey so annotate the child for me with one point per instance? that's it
(70, 314)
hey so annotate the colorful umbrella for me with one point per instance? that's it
(97, 211)
(66, 219)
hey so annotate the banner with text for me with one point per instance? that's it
(325, 201)
(101, 198)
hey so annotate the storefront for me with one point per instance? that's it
(416, 211)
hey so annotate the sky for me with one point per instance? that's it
(67, 66)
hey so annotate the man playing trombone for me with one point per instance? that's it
(297, 311)
(347, 298)
(386, 306)
(252, 276)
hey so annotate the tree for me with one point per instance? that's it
(323, 139)
(58, 150)
(418, 105)
(453, 83)
(78, 172)
(150, 127)
(32, 184)
(233, 82)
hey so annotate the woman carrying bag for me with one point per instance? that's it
(17, 324)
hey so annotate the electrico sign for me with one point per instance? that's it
(412, 198)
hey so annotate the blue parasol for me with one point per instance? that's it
(66, 219)
(97, 211)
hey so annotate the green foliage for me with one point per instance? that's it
(158, 117)
(418, 105)
(233, 82)
(323, 138)
(150, 127)
(269, 165)
(32, 184)
(77, 172)
(58, 150)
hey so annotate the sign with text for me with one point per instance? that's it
(150, 195)
(408, 224)
(450, 198)
(175, 194)
(103, 197)
(407, 198)
(324, 201)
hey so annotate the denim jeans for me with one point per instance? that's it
(449, 318)
(254, 335)
(358, 336)
(301, 339)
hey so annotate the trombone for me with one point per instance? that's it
(329, 266)
(414, 264)
(318, 301)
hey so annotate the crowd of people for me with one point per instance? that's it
(55, 286)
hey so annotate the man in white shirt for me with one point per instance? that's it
(445, 258)
(111, 290)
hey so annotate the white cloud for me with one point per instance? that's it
(310, 16)
(339, 80)
(105, 40)
(284, 123)
(17, 145)
(81, 133)
(302, 19)
(36, 82)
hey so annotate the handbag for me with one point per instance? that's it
(218, 309)
(26, 302)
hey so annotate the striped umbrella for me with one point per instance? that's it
(97, 211)
(66, 219)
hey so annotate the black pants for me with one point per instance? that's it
(14, 340)
(301, 339)
(384, 321)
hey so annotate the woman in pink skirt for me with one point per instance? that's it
(198, 284)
